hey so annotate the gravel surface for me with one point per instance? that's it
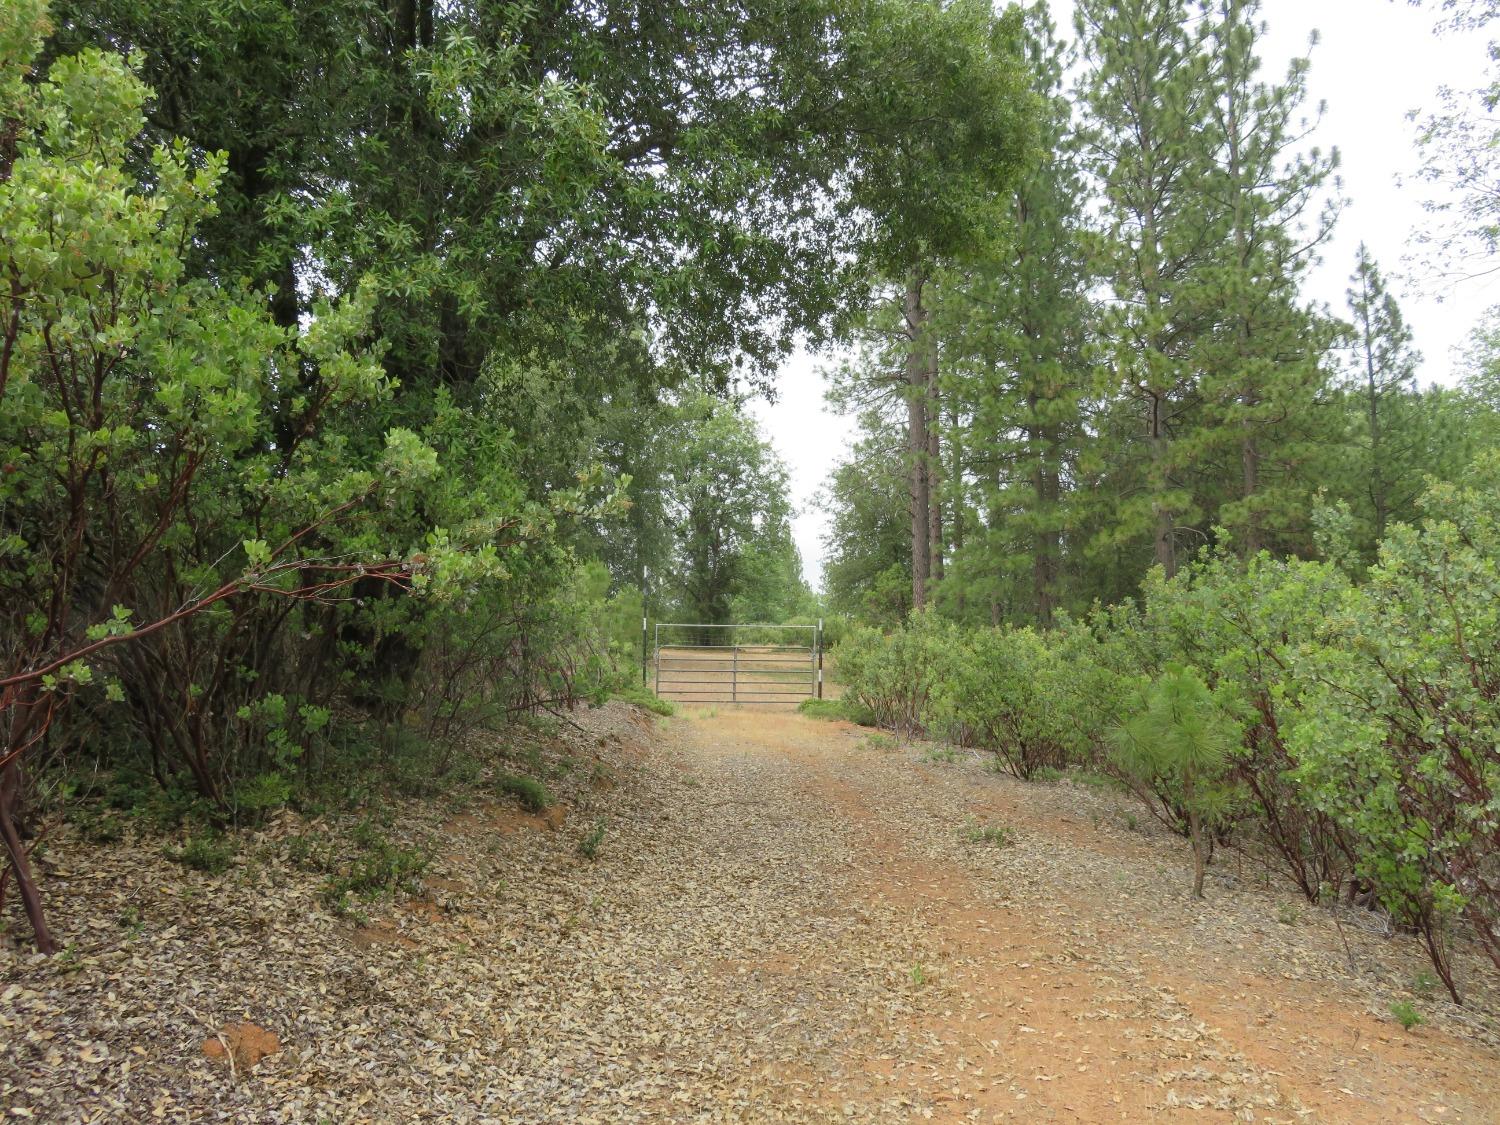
(784, 921)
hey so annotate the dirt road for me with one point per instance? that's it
(1053, 967)
(786, 920)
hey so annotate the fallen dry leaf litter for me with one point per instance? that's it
(784, 922)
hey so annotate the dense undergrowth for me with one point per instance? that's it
(1343, 722)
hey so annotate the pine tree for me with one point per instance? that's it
(1149, 101)
(1017, 329)
(1261, 369)
(1383, 376)
(948, 127)
(1178, 737)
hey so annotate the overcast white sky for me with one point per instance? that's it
(1376, 61)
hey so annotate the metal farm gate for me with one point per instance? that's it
(735, 663)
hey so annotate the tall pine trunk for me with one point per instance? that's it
(1165, 545)
(1249, 396)
(1250, 487)
(917, 379)
(1158, 442)
(1195, 829)
(1377, 480)
(934, 468)
(956, 492)
(1046, 550)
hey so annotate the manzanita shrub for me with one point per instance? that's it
(168, 463)
(1396, 735)
(895, 675)
(1240, 623)
(1348, 730)
(215, 527)
(1003, 697)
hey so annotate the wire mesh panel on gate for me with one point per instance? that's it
(736, 663)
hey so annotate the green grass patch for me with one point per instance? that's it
(532, 794)
(846, 710)
(643, 698)
(210, 854)
(830, 709)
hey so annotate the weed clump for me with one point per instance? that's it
(941, 755)
(1406, 1015)
(588, 847)
(992, 835)
(378, 870)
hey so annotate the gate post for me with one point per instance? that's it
(644, 657)
(734, 675)
(818, 645)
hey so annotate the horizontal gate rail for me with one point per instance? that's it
(768, 667)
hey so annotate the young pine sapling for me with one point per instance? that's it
(1179, 736)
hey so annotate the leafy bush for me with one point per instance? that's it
(1396, 734)
(190, 480)
(1005, 697)
(1352, 730)
(895, 675)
